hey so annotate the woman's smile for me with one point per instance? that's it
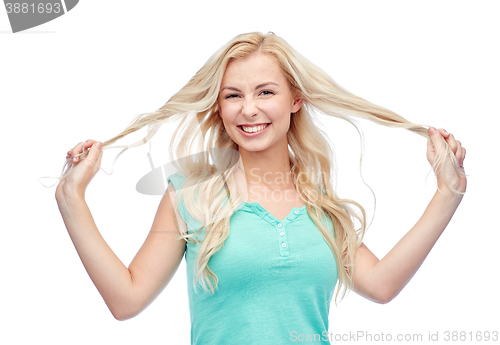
(252, 131)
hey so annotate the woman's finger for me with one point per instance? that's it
(95, 151)
(444, 133)
(459, 155)
(437, 140)
(78, 149)
(452, 143)
(462, 158)
(99, 158)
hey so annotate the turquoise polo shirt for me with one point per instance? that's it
(276, 279)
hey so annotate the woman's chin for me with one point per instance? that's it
(252, 148)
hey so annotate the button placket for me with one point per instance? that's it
(282, 233)
(282, 239)
(279, 226)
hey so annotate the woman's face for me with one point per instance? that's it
(254, 94)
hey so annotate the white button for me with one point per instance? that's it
(296, 212)
(280, 225)
(282, 233)
(283, 245)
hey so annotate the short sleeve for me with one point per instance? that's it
(177, 180)
(192, 224)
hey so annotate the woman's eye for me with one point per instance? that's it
(267, 92)
(231, 96)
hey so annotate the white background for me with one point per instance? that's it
(87, 74)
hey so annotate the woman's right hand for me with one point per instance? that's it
(83, 169)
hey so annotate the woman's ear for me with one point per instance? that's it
(216, 107)
(297, 101)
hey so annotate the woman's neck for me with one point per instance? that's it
(271, 169)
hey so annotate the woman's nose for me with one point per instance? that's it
(249, 107)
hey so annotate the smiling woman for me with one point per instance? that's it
(260, 111)
(265, 237)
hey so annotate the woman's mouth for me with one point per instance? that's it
(253, 130)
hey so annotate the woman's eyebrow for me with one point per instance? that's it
(265, 84)
(256, 88)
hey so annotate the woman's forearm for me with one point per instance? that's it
(396, 269)
(110, 276)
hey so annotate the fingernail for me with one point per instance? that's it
(99, 144)
(445, 132)
(432, 130)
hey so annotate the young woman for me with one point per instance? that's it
(265, 236)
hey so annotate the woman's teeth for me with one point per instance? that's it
(254, 129)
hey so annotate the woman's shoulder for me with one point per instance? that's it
(177, 179)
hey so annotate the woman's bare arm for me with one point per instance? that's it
(382, 280)
(126, 291)
(159, 257)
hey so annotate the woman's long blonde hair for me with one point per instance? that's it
(311, 157)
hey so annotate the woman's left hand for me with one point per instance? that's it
(447, 175)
